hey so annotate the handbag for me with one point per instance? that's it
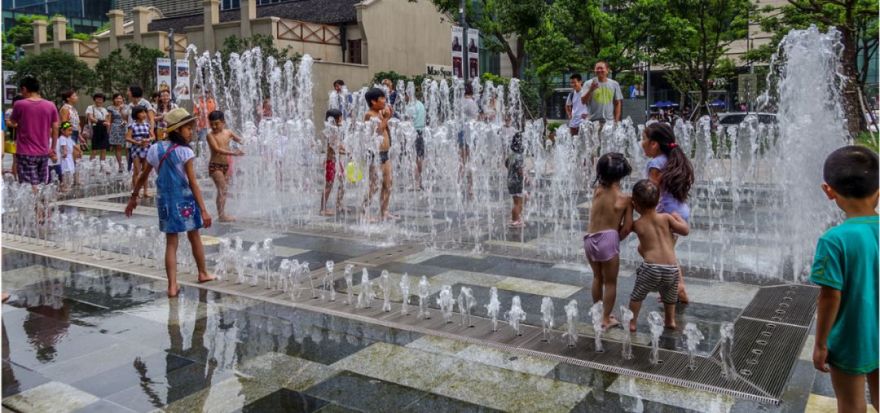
(87, 132)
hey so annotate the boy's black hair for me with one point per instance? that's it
(339, 82)
(645, 194)
(678, 174)
(373, 95)
(98, 95)
(333, 113)
(611, 168)
(216, 115)
(576, 76)
(115, 95)
(30, 83)
(852, 172)
(516, 144)
(468, 89)
(136, 110)
(136, 91)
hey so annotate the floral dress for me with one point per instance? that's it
(117, 126)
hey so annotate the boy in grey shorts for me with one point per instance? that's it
(659, 271)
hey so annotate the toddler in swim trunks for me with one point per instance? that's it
(610, 222)
(659, 271)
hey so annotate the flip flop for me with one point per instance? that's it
(613, 323)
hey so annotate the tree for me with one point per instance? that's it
(22, 32)
(501, 22)
(704, 30)
(858, 25)
(119, 70)
(8, 52)
(57, 72)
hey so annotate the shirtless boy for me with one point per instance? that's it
(659, 271)
(379, 113)
(218, 168)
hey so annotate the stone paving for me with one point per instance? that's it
(78, 337)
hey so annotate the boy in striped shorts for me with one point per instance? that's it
(659, 271)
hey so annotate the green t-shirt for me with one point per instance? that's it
(846, 260)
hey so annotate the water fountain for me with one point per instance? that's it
(516, 315)
(655, 320)
(365, 298)
(571, 314)
(327, 282)
(626, 345)
(693, 338)
(466, 303)
(404, 294)
(725, 350)
(546, 318)
(446, 302)
(598, 329)
(384, 285)
(349, 284)
(424, 292)
(493, 307)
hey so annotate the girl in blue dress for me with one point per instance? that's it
(179, 199)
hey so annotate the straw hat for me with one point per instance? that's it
(177, 118)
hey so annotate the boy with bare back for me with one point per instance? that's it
(659, 271)
(378, 110)
(218, 168)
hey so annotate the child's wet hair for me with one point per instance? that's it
(137, 110)
(216, 115)
(611, 168)
(645, 194)
(373, 95)
(678, 174)
(851, 171)
(333, 113)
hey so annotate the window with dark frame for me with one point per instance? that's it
(354, 51)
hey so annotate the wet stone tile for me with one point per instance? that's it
(175, 385)
(458, 262)
(152, 368)
(285, 400)
(363, 393)
(53, 396)
(17, 379)
(436, 403)
(104, 406)
(683, 398)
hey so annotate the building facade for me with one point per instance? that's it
(83, 16)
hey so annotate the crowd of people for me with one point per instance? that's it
(159, 138)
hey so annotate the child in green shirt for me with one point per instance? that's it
(845, 266)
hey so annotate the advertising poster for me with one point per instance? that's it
(163, 74)
(473, 53)
(9, 89)
(457, 48)
(181, 85)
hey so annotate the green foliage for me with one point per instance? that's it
(495, 79)
(8, 52)
(869, 139)
(119, 70)
(82, 36)
(57, 71)
(22, 32)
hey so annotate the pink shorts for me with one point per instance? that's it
(602, 246)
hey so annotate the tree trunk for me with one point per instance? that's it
(855, 119)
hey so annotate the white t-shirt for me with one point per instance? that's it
(184, 154)
(67, 164)
(578, 108)
(143, 102)
(100, 113)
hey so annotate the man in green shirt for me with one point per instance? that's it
(845, 266)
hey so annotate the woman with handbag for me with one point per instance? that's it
(99, 123)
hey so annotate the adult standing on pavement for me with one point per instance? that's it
(603, 96)
(69, 113)
(99, 118)
(574, 105)
(36, 122)
(136, 98)
(118, 114)
(163, 106)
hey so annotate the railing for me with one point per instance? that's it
(89, 50)
(308, 32)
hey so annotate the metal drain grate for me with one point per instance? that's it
(764, 353)
(790, 304)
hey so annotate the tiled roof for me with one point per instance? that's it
(314, 11)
